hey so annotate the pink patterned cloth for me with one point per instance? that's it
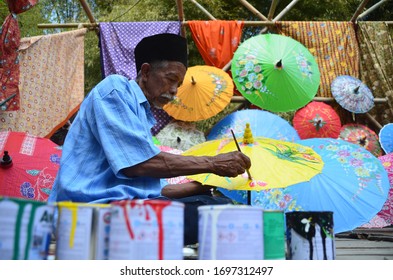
(51, 83)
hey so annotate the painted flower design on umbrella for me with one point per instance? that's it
(250, 77)
(304, 65)
(360, 162)
(43, 183)
(276, 199)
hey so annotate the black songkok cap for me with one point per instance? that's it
(165, 46)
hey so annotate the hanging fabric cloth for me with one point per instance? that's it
(9, 62)
(216, 40)
(119, 39)
(51, 83)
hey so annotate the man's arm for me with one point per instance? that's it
(185, 189)
(166, 165)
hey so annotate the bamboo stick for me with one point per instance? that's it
(285, 10)
(209, 15)
(93, 25)
(272, 9)
(281, 14)
(359, 10)
(239, 99)
(67, 25)
(253, 10)
(371, 9)
(87, 10)
(373, 120)
(180, 12)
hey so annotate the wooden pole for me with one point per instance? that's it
(180, 12)
(209, 15)
(87, 10)
(253, 10)
(373, 120)
(281, 14)
(359, 10)
(371, 9)
(239, 99)
(66, 25)
(286, 10)
(184, 23)
(272, 9)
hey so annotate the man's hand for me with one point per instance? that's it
(230, 164)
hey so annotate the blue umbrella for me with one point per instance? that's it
(386, 138)
(353, 185)
(262, 123)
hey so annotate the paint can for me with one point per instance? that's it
(274, 235)
(26, 229)
(82, 231)
(227, 232)
(310, 235)
(146, 230)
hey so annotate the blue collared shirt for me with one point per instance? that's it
(110, 132)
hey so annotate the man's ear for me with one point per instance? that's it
(145, 70)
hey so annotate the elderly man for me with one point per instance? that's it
(109, 153)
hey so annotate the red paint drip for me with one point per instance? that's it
(158, 208)
(128, 224)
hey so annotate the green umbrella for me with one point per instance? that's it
(275, 72)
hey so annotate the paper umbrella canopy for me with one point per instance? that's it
(275, 72)
(274, 163)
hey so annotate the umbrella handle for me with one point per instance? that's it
(6, 161)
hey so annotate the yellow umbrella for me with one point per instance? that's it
(274, 163)
(206, 91)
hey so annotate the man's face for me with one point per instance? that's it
(160, 81)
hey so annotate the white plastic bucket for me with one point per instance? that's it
(146, 230)
(310, 235)
(26, 229)
(82, 231)
(230, 232)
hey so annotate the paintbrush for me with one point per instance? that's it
(238, 148)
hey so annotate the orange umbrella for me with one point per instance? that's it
(206, 91)
(317, 120)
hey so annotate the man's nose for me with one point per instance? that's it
(173, 90)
